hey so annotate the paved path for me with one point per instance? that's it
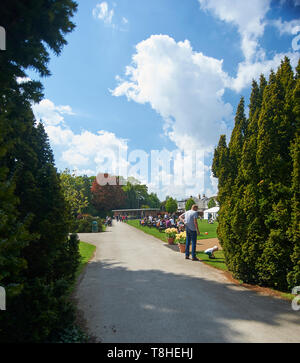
(136, 289)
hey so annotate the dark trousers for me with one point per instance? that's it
(191, 236)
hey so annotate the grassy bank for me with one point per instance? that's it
(152, 231)
(203, 225)
(218, 262)
(86, 252)
(76, 333)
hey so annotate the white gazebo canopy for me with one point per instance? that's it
(213, 211)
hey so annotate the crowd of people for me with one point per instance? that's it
(118, 218)
(121, 218)
(163, 222)
(185, 222)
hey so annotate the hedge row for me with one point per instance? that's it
(259, 176)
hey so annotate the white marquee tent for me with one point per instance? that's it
(212, 211)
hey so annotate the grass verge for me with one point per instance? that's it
(218, 262)
(86, 252)
(203, 225)
(152, 231)
(77, 332)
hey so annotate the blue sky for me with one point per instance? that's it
(188, 63)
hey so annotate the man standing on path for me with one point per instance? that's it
(191, 226)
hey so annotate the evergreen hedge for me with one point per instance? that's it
(84, 225)
(38, 259)
(258, 174)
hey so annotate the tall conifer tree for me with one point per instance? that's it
(294, 230)
(259, 192)
(33, 217)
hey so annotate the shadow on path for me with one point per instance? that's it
(125, 305)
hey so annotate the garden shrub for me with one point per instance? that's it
(258, 174)
(84, 225)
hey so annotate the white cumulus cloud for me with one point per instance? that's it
(51, 114)
(101, 152)
(250, 19)
(247, 15)
(185, 87)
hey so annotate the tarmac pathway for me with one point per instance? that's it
(136, 290)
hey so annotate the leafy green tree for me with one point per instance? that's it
(141, 194)
(171, 205)
(87, 182)
(212, 203)
(33, 28)
(131, 196)
(163, 204)
(74, 192)
(189, 203)
(153, 200)
(137, 195)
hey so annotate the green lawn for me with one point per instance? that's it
(211, 229)
(218, 262)
(153, 231)
(86, 252)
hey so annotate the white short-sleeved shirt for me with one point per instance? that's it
(189, 218)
